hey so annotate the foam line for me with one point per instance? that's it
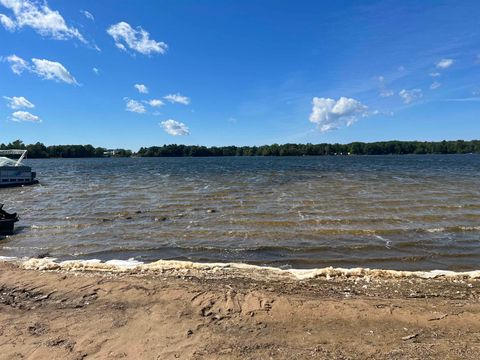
(233, 269)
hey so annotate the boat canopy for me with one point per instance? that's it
(4, 161)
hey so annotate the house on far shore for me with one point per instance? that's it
(117, 153)
(110, 152)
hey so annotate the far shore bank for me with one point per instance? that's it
(210, 312)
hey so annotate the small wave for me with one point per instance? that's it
(454, 229)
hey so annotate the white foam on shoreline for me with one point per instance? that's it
(234, 269)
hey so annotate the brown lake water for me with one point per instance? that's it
(395, 212)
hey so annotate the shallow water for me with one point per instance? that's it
(396, 212)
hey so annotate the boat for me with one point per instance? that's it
(14, 172)
(7, 221)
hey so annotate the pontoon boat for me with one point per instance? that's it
(13, 172)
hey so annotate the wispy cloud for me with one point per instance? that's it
(468, 99)
(175, 128)
(384, 92)
(329, 114)
(46, 69)
(20, 116)
(177, 98)
(88, 15)
(17, 64)
(409, 96)
(445, 63)
(38, 16)
(96, 71)
(142, 89)
(135, 39)
(18, 102)
(435, 85)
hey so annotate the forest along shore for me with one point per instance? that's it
(228, 315)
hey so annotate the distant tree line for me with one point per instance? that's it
(39, 150)
(355, 148)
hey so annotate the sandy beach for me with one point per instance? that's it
(233, 313)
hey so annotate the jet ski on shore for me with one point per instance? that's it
(7, 221)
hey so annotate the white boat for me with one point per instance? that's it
(13, 172)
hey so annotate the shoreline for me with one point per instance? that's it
(230, 269)
(182, 310)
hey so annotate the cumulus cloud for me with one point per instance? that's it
(7, 23)
(88, 15)
(38, 16)
(409, 96)
(46, 69)
(155, 103)
(18, 102)
(174, 127)
(135, 106)
(25, 116)
(435, 85)
(135, 39)
(141, 88)
(330, 114)
(445, 63)
(52, 70)
(95, 70)
(177, 98)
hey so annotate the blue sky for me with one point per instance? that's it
(238, 72)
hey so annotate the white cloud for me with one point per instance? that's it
(445, 63)
(46, 69)
(155, 103)
(25, 116)
(409, 96)
(88, 15)
(177, 98)
(18, 102)
(136, 39)
(38, 16)
(135, 106)
(95, 70)
(435, 74)
(52, 70)
(330, 114)
(7, 23)
(17, 64)
(435, 85)
(174, 127)
(141, 88)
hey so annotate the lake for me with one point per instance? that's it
(395, 212)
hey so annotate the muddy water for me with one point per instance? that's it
(397, 212)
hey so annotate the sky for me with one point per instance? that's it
(224, 72)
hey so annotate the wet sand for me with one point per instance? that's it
(220, 313)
